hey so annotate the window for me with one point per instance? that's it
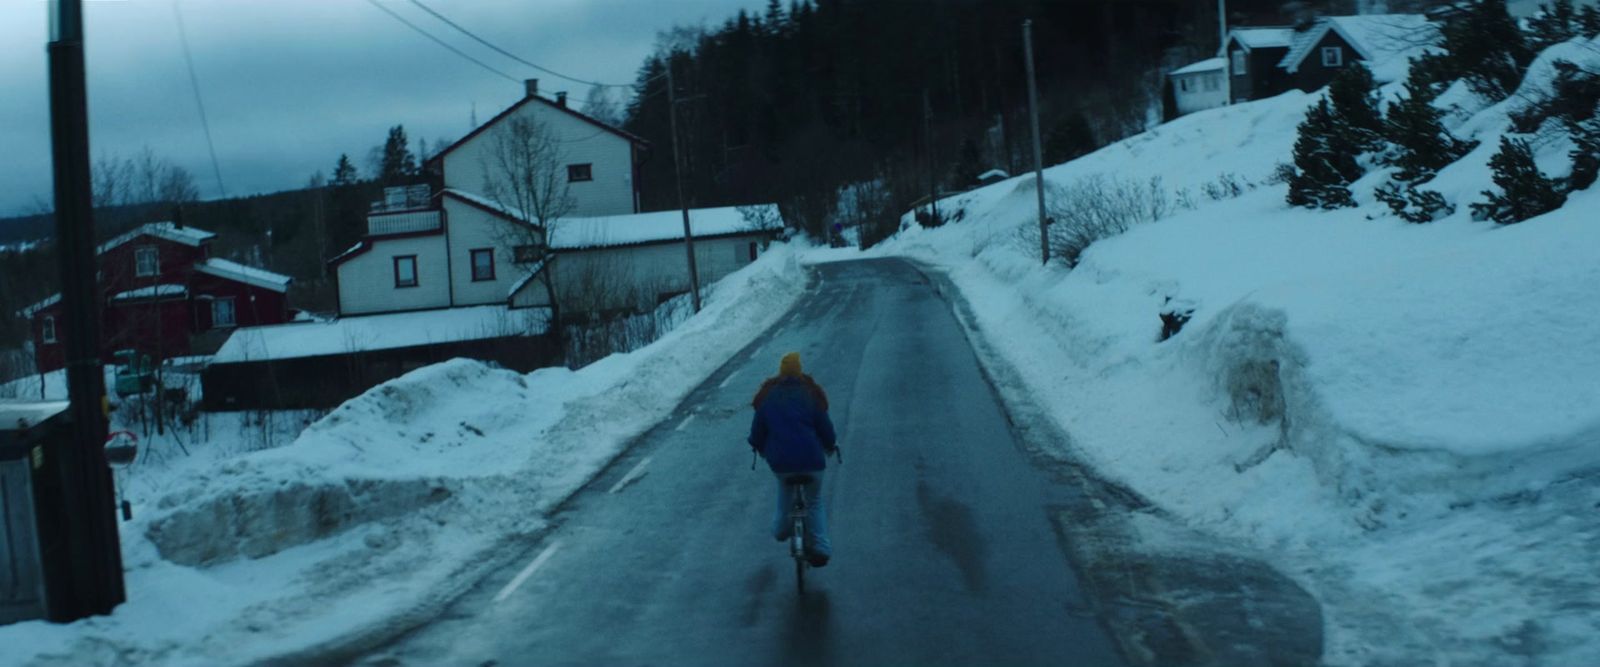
(1213, 82)
(525, 254)
(47, 330)
(146, 261)
(405, 271)
(482, 265)
(222, 313)
(1183, 84)
(1332, 56)
(580, 172)
(1238, 63)
(753, 251)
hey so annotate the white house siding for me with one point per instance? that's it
(611, 157)
(1205, 90)
(637, 276)
(472, 228)
(366, 281)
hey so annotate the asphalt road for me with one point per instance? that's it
(945, 552)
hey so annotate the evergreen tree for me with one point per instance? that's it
(1555, 23)
(1484, 46)
(1355, 106)
(1324, 161)
(1589, 21)
(1422, 145)
(1414, 204)
(397, 163)
(1525, 192)
(970, 166)
(344, 173)
(1069, 138)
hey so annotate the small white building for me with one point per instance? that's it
(1202, 85)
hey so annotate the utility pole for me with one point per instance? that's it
(927, 143)
(677, 175)
(92, 551)
(1038, 152)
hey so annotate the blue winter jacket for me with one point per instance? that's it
(791, 428)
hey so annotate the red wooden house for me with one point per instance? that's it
(164, 295)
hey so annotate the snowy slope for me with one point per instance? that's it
(1404, 416)
(390, 506)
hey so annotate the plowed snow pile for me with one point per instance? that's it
(391, 505)
(1406, 417)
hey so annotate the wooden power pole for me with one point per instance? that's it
(677, 175)
(1038, 151)
(92, 549)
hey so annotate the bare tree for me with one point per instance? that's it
(525, 173)
(603, 105)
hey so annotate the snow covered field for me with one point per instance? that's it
(390, 506)
(1404, 417)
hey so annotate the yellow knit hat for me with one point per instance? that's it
(790, 365)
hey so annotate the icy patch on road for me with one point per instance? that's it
(390, 506)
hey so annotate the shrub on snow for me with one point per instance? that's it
(1525, 192)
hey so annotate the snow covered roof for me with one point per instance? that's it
(1262, 38)
(523, 281)
(34, 309)
(188, 236)
(151, 292)
(993, 173)
(248, 275)
(638, 228)
(509, 212)
(1375, 37)
(1207, 65)
(20, 415)
(378, 332)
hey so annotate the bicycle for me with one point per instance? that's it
(797, 522)
(797, 530)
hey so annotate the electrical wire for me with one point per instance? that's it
(441, 42)
(194, 85)
(511, 55)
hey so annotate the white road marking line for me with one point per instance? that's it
(528, 571)
(632, 474)
(685, 423)
(724, 384)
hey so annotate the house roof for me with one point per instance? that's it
(1266, 37)
(1375, 37)
(168, 231)
(523, 281)
(365, 333)
(640, 228)
(152, 292)
(488, 205)
(1207, 65)
(34, 309)
(248, 275)
(632, 138)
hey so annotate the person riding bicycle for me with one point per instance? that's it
(791, 430)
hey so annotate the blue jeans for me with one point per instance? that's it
(816, 514)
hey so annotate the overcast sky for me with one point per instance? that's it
(288, 85)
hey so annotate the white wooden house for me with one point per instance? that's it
(460, 247)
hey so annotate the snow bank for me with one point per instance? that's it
(391, 505)
(1404, 415)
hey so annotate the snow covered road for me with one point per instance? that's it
(945, 550)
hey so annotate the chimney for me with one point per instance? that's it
(532, 86)
(561, 99)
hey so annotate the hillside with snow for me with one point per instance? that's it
(1404, 417)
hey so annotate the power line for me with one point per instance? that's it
(441, 42)
(509, 54)
(194, 85)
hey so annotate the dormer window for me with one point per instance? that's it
(1332, 56)
(146, 261)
